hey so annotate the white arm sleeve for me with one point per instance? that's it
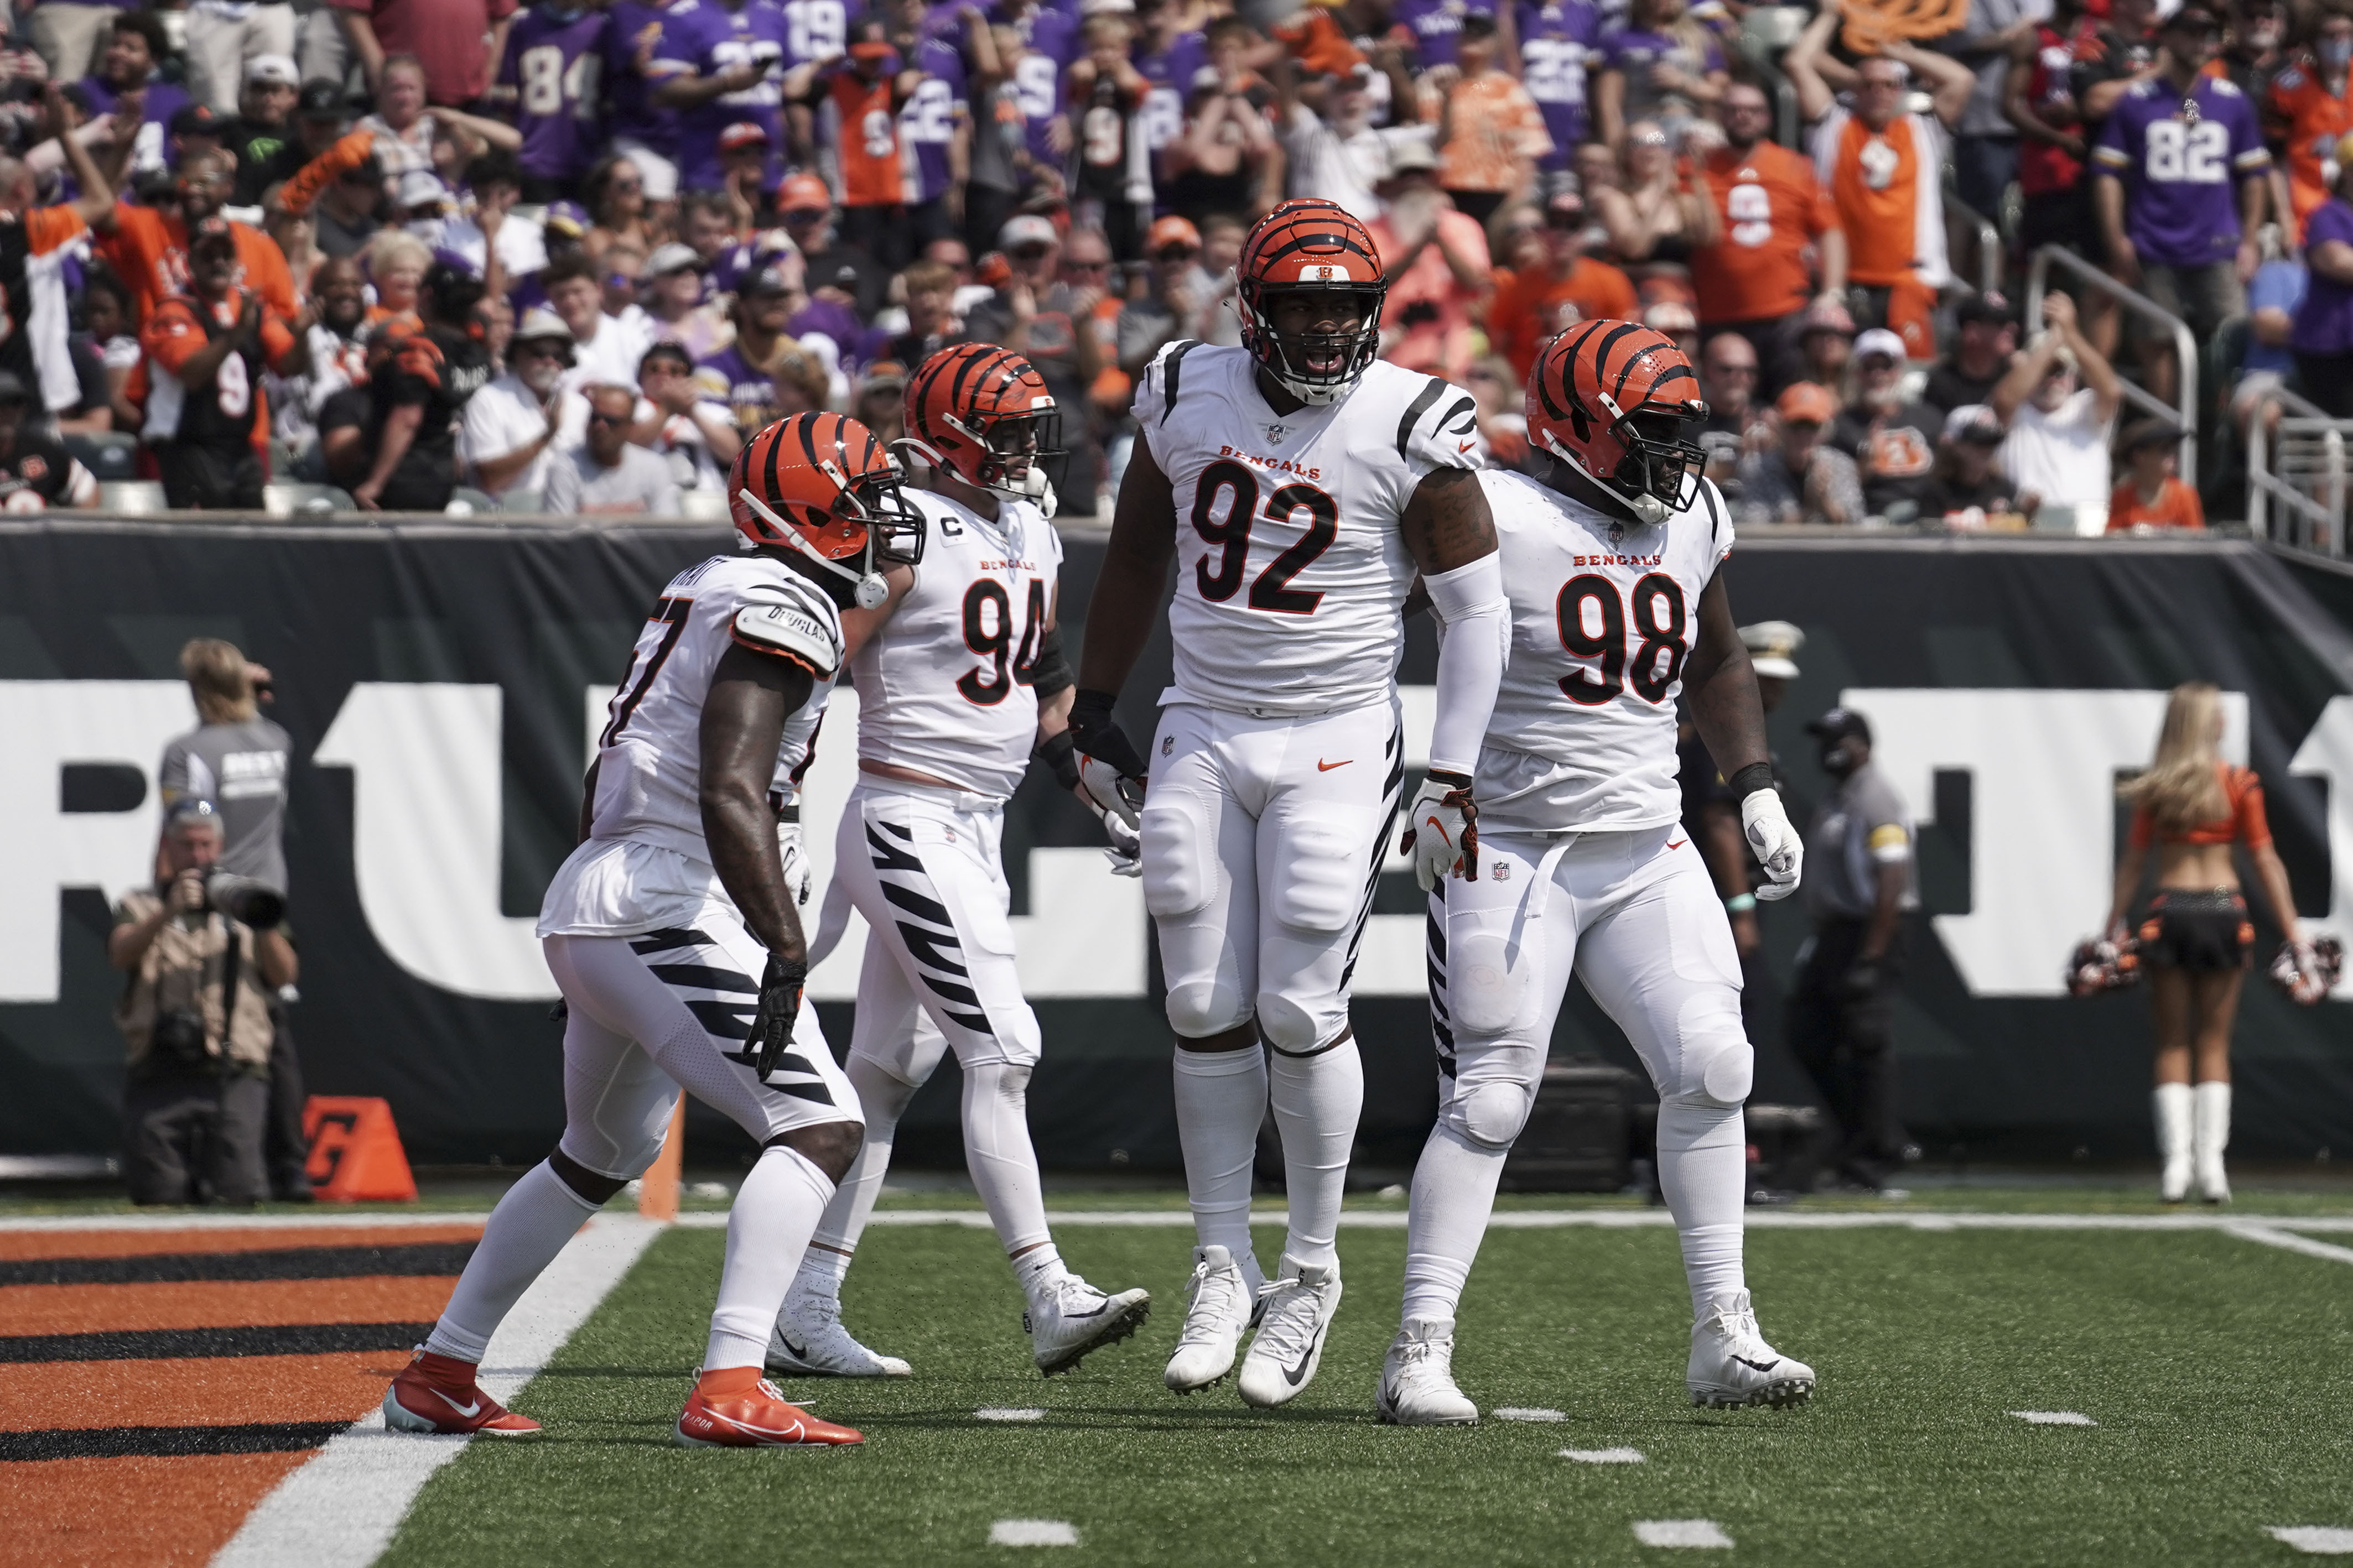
(1469, 600)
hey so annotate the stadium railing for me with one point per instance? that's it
(2185, 347)
(2295, 464)
(1962, 218)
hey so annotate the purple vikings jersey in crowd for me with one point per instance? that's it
(816, 31)
(2180, 160)
(1053, 36)
(728, 378)
(556, 64)
(705, 37)
(1436, 25)
(1171, 72)
(630, 113)
(1556, 41)
(928, 120)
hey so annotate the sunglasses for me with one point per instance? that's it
(597, 417)
(1084, 266)
(1566, 223)
(1175, 253)
(806, 214)
(1030, 252)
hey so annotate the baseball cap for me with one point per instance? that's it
(1826, 316)
(1839, 722)
(272, 70)
(2193, 19)
(742, 133)
(1805, 403)
(1986, 307)
(871, 49)
(12, 388)
(1769, 646)
(322, 99)
(803, 193)
(569, 220)
(1974, 422)
(1171, 230)
(882, 373)
(212, 231)
(195, 120)
(1411, 155)
(1027, 229)
(422, 187)
(1881, 343)
(1671, 316)
(539, 322)
(2150, 433)
(672, 257)
(765, 280)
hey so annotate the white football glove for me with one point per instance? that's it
(1125, 851)
(800, 881)
(1779, 848)
(1441, 833)
(1109, 793)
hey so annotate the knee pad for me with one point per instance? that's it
(1292, 1028)
(1209, 1005)
(1320, 885)
(1716, 1066)
(1181, 871)
(1490, 1114)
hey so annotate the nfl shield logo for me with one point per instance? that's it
(1276, 432)
(1167, 744)
(1503, 872)
(1616, 533)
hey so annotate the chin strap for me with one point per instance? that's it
(867, 587)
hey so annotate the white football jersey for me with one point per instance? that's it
(1289, 565)
(649, 757)
(944, 685)
(1604, 614)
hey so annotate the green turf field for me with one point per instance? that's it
(2216, 1369)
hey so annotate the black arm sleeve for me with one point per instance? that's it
(1050, 673)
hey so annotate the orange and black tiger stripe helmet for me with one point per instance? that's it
(1311, 245)
(823, 486)
(1613, 400)
(983, 414)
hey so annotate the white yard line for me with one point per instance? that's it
(339, 1510)
(2269, 1234)
(1701, 1533)
(2318, 1540)
(1033, 1532)
(1010, 1413)
(2055, 1417)
(326, 1216)
(1603, 1456)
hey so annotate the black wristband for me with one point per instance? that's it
(1751, 779)
(1049, 673)
(1061, 754)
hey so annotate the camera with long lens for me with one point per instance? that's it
(255, 904)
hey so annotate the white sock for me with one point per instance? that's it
(2212, 1121)
(776, 1211)
(1703, 1172)
(1038, 1268)
(997, 1152)
(1453, 1192)
(1220, 1099)
(525, 1231)
(1316, 1102)
(883, 1098)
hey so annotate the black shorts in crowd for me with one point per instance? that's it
(2197, 930)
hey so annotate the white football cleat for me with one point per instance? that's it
(1297, 1314)
(1417, 1386)
(1221, 1306)
(1068, 1318)
(808, 1341)
(1731, 1366)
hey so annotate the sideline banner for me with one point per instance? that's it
(442, 684)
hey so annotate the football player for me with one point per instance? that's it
(961, 678)
(1617, 609)
(673, 933)
(1300, 483)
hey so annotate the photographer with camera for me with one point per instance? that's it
(237, 758)
(203, 951)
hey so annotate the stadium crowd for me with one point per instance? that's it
(569, 257)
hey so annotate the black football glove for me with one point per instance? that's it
(780, 1005)
(1110, 770)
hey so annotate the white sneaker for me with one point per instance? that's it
(1298, 1312)
(1068, 1318)
(1221, 1306)
(1417, 1378)
(1731, 1365)
(808, 1341)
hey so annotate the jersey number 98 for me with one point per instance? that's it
(1660, 619)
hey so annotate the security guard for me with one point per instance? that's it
(1858, 886)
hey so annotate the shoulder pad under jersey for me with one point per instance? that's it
(805, 633)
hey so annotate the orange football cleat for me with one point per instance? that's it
(727, 1411)
(439, 1393)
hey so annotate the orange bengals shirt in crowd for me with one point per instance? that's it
(1877, 181)
(1497, 133)
(2316, 118)
(149, 253)
(175, 334)
(1769, 207)
(1523, 314)
(1316, 42)
(2175, 506)
(872, 174)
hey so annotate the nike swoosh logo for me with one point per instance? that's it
(1466, 446)
(800, 1353)
(1677, 843)
(468, 1411)
(1293, 1375)
(1324, 767)
(1098, 1313)
(1756, 1365)
(1439, 828)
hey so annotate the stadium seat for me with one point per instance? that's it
(524, 501)
(107, 456)
(131, 497)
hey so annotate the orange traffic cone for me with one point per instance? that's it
(355, 1154)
